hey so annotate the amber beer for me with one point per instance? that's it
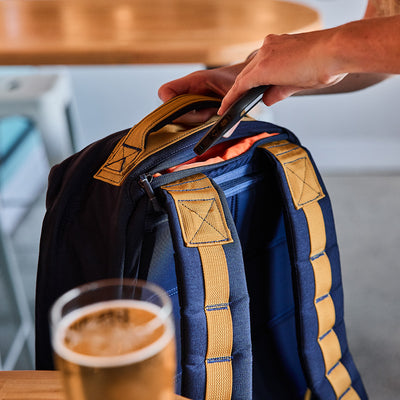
(116, 349)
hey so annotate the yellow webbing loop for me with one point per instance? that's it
(203, 225)
(306, 192)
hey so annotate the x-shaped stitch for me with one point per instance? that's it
(130, 152)
(203, 220)
(303, 180)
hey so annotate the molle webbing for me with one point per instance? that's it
(306, 193)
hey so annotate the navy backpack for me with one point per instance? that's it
(242, 238)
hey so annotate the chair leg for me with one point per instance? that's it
(23, 337)
(52, 122)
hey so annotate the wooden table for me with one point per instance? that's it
(33, 385)
(142, 31)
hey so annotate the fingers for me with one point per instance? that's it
(215, 82)
(172, 89)
(246, 80)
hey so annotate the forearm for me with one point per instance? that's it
(351, 83)
(366, 46)
(347, 38)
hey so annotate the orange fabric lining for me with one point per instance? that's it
(221, 152)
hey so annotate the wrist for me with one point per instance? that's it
(330, 53)
(344, 48)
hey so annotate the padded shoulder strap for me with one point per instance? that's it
(216, 343)
(329, 368)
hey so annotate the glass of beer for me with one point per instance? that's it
(114, 340)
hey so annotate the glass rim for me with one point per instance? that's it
(56, 308)
(162, 318)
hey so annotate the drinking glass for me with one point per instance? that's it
(114, 339)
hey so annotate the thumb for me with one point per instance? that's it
(165, 92)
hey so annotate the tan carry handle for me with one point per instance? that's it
(139, 144)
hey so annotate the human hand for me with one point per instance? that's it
(289, 63)
(212, 82)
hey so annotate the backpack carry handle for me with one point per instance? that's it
(167, 113)
(136, 146)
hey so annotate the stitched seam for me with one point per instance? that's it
(302, 179)
(282, 145)
(287, 151)
(189, 190)
(325, 334)
(318, 255)
(217, 307)
(336, 365)
(344, 393)
(128, 169)
(323, 297)
(131, 147)
(204, 220)
(184, 183)
(124, 157)
(218, 360)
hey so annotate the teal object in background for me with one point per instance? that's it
(17, 138)
(23, 169)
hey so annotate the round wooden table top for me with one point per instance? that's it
(143, 31)
(35, 385)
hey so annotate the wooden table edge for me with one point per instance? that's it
(30, 384)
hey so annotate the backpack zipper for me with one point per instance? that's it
(145, 182)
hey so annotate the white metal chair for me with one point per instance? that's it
(23, 336)
(46, 99)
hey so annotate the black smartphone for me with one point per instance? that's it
(233, 115)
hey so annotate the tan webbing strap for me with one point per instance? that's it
(204, 226)
(306, 192)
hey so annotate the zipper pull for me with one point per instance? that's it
(145, 183)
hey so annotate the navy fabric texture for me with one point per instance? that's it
(311, 355)
(93, 230)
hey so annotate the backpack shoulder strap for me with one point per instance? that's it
(328, 365)
(214, 302)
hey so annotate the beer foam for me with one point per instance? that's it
(130, 357)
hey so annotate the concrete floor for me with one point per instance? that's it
(367, 223)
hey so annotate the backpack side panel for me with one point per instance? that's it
(83, 235)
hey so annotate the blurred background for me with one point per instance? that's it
(354, 139)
